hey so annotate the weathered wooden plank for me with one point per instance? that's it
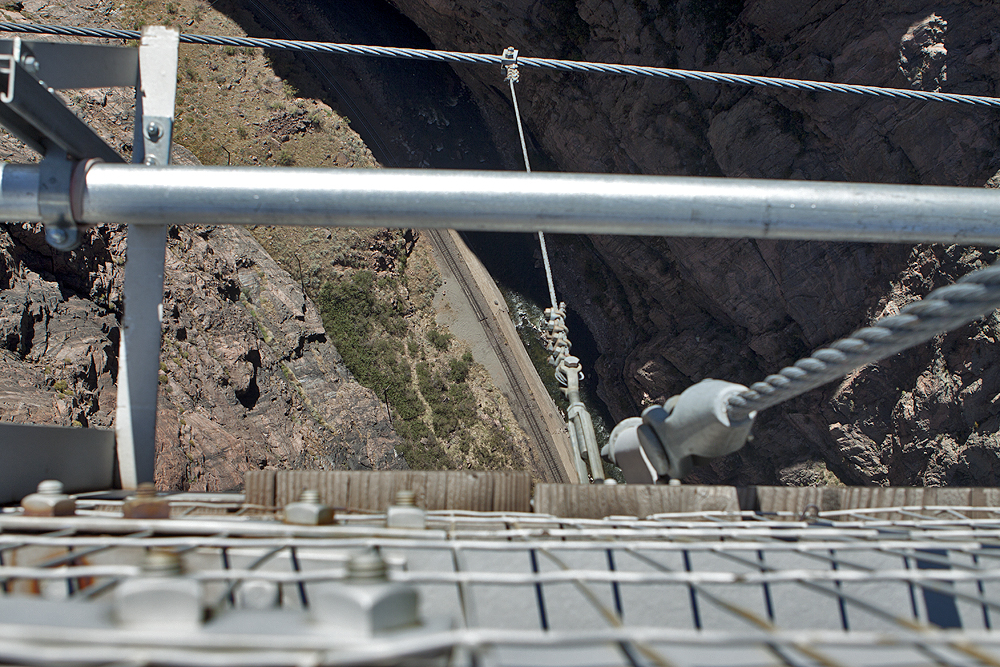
(258, 487)
(512, 491)
(596, 501)
(485, 491)
(795, 500)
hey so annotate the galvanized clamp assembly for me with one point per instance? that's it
(509, 63)
(668, 441)
(29, 73)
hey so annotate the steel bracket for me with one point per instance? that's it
(55, 176)
(32, 113)
(29, 71)
(139, 361)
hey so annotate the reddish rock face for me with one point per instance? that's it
(248, 379)
(668, 312)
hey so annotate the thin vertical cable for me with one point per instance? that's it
(527, 168)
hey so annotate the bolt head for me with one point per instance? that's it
(49, 500)
(152, 161)
(154, 131)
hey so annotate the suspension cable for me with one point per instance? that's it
(545, 63)
(568, 373)
(944, 309)
(513, 76)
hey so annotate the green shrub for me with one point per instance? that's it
(439, 339)
(451, 403)
(458, 369)
(412, 347)
(431, 456)
(351, 313)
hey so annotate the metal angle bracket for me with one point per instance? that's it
(31, 112)
(63, 65)
(35, 115)
(139, 362)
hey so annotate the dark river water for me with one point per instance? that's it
(415, 114)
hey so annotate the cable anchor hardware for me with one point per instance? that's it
(509, 63)
(669, 440)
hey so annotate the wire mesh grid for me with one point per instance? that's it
(882, 586)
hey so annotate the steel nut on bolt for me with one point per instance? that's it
(366, 603)
(308, 510)
(49, 500)
(405, 513)
(160, 597)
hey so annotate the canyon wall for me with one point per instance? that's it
(666, 311)
(248, 376)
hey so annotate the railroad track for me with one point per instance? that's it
(546, 461)
(525, 408)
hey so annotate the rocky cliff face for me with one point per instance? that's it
(248, 378)
(667, 312)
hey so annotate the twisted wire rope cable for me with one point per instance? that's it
(544, 63)
(944, 309)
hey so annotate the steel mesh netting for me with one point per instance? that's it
(899, 585)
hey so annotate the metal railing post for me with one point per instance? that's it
(138, 367)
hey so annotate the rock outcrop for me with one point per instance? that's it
(666, 312)
(248, 378)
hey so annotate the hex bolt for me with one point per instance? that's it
(154, 131)
(152, 161)
(308, 510)
(162, 563)
(366, 602)
(160, 597)
(145, 504)
(49, 500)
(405, 513)
(367, 567)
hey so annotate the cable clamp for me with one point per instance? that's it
(509, 62)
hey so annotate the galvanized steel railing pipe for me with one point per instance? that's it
(517, 202)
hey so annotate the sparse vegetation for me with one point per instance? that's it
(351, 316)
(439, 339)
(375, 299)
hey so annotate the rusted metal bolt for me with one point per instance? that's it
(145, 504)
